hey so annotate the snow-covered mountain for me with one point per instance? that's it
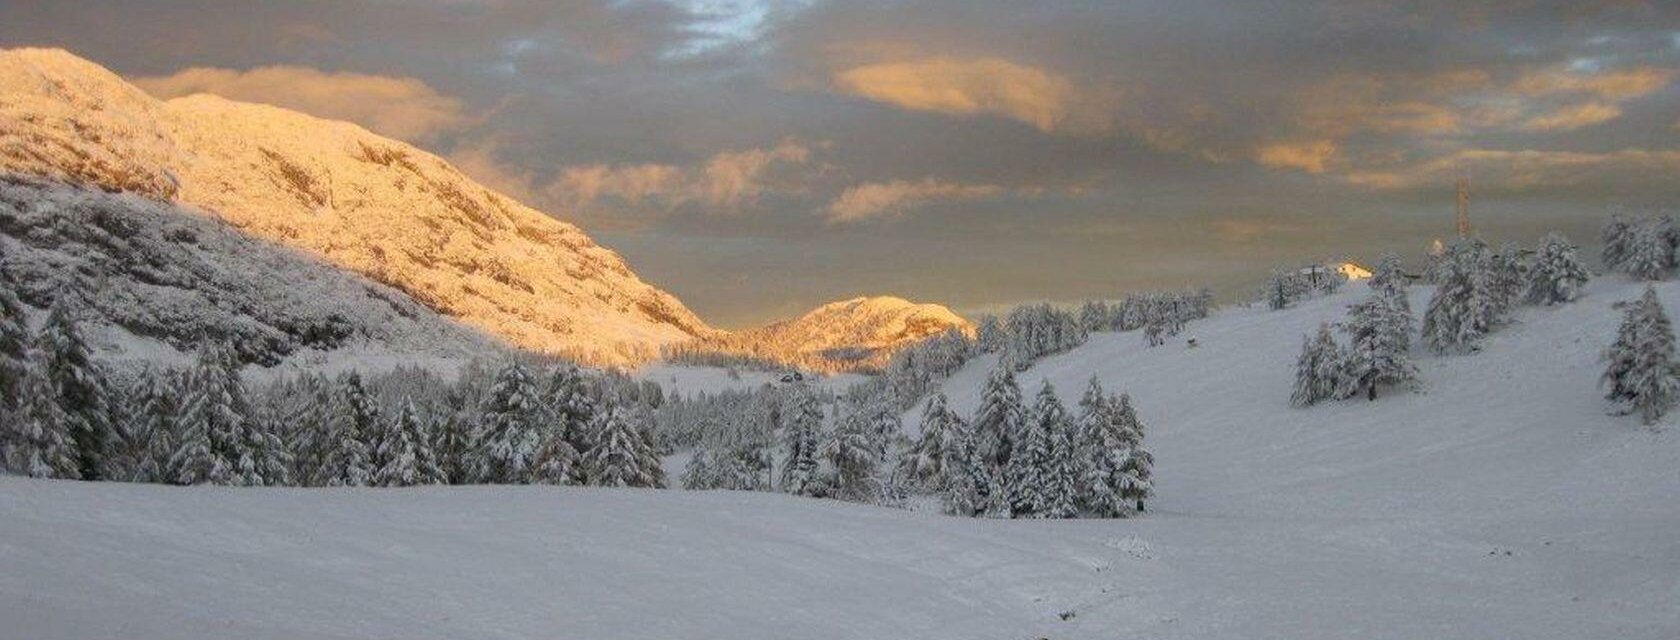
(860, 333)
(372, 205)
(143, 271)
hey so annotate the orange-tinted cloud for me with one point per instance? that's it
(875, 199)
(1618, 85)
(1313, 156)
(1530, 170)
(972, 86)
(1573, 117)
(400, 107)
(723, 182)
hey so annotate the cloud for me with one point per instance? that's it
(1573, 117)
(724, 183)
(1621, 85)
(875, 199)
(973, 86)
(1532, 171)
(400, 107)
(1313, 156)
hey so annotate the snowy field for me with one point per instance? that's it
(1501, 502)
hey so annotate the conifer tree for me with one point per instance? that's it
(850, 453)
(1379, 346)
(572, 407)
(511, 429)
(972, 489)
(1649, 255)
(350, 432)
(1617, 235)
(404, 450)
(81, 388)
(14, 346)
(37, 436)
(213, 420)
(1558, 275)
(1319, 371)
(558, 462)
(310, 430)
(270, 460)
(1643, 375)
(153, 423)
(1033, 467)
(1136, 468)
(801, 439)
(937, 454)
(621, 457)
(452, 440)
(1390, 274)
(1463, 309)
(999, 421)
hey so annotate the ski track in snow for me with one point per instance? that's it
(1499, 502)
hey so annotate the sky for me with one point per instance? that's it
(760, 157)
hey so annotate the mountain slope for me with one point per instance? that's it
(376, 206)
(155, 270)
(1501, 502)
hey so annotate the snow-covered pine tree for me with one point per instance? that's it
(1137, 467)
(309, 429)
(621, 457)
(1463, 309)
(271, 459)
(1558, 274)
(1032, 471)
(37, 436)
(1379, 346)
(850, 453)
(1617, 235)
(1509, 278)
(802, 419)
(154, 420)
(81, 386)
(14, 346)
(1649, 256)
(354, 423)
(1390, 274)
(971, 487)
(511, 429)
(452, 441)
(572, 406)
(1000, 418)
(1320, 371)
(937, 454)
(214, 412)
(404, 450)
(1643, 374)
(990, 335)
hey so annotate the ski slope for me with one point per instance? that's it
(1499, 502)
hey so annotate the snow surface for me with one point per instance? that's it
(1499, 503)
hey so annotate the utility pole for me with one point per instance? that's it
(1463, 207)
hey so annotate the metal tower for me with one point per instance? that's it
(1463, 207)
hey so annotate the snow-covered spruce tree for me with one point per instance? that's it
(849, 455)
(999, 420)
(937, 455)
(972, 488)
(1319, 371)
(1032, 473)
(452, 441)
(990, 335)
(572, 408)
(214, 418)
(14, 346)
(310, 430)
(558, 462)
(1390, 274)
(81, 387)
(1649, 255)
(801, 440)
(510, 429)
(1379, 346)
(1557, 275)
(37, 436)
(405, 450)
(1509, 279)
(623, 454)
(1463, 309)
(1617, 236)
(1136, 468)
(1643, 375)
(153, 423)
(268, 460)
(354, 423)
